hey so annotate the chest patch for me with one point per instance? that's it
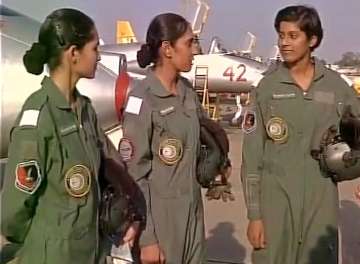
(170, 151)
(78, 181)
(167, 111)
(277, 129)
(283, 96)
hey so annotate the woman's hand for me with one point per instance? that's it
(256, 234)
(131, 234)
(152, 254)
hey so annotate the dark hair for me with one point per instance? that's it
(307, 18)
(61, 29)
(169, 27)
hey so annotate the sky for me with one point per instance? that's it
(228, 19)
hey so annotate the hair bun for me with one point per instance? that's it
(145, 55)
(35, 58)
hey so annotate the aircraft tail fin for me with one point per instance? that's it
(275, 54)
(200, 17)
(124, 32)
(250, 47)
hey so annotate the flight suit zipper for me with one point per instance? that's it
(83, 138)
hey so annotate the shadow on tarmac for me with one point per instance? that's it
(225, 252)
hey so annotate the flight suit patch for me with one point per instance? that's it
(133, 105)
(28, 177)
(249, 122)
(277, 129)
(167, 111)
(283, 96)
(78, 181)
(126, 149)
(170, 151)
(29, 118)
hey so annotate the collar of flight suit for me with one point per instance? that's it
(55, 94)
(285, 76)
(157, 88)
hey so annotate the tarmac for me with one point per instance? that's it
(226, 222)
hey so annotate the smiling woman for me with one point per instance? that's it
(296, 103)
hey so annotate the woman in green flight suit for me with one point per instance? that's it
(292, 204)
(51, 195)
(161, 145)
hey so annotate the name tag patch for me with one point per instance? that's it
(284, 96)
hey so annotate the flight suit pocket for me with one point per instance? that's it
(69, 219)
(165, 183)
(73, 250)
(34, 251)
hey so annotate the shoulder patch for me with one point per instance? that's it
(29, 118)
(249, 122)
(133, 105)
(126, 149)
(28, 177)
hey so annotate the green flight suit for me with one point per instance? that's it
(283, 184)
(55, 220)
(173, 195)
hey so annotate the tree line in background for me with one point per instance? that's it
(349, 58)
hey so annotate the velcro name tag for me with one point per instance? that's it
(284, 96)
(167, 111)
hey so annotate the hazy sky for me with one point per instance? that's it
(228, 19)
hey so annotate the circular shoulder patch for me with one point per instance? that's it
(170, 151)
(126, 149)
(277, 129)
(78, 181)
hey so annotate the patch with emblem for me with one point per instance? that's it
(277, 130)
(249, 122)
(78, 181)
(28, 176)
(170, 151)
(126, 149)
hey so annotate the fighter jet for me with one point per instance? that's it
(217, 72)
(226, 71)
